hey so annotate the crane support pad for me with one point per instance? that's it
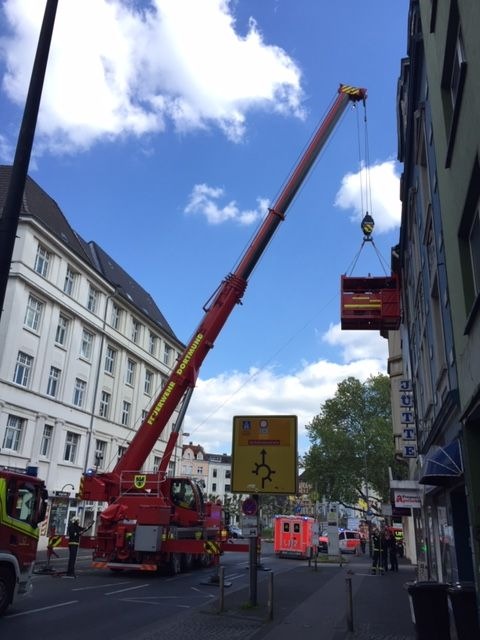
(370, 303)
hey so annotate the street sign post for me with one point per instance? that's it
(264, 454)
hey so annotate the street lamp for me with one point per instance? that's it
(67, 485)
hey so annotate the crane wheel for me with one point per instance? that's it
(7, 583)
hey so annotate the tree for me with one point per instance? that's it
(352, 442)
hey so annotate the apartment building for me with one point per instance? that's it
(439, 264)
(84, 352)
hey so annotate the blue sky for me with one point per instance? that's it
(167, 127)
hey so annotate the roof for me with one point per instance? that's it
(37, 204)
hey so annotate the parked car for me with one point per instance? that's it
(234, 531)
(348, 541)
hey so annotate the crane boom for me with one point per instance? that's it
(228, 294)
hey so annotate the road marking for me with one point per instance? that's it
(140, 586)
(53, 606)
(101, 586)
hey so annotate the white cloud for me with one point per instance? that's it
(262, 392)
(204, 201)
(381, 185)
(115, 69)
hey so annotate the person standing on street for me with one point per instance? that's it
(74, 532)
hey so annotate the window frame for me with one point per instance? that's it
(42, 262)
(53, 383)
(70, 450)
(23, 369)
(12, 438)
(33, 314)
(79, 393)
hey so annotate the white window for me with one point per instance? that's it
(72, 441)
(135, 330)
(156, 464)
(86, 345)
(130, 375)
(79, 392)
(70, 281)
(126, 413)
(23, 369)
(53, 382)
(148, 382)
(152, 344)
(474, 244)
(33, 313)
(46, 443)
(13, 433)
(110, 358)
(62, 330)
(116, 315)
(167, 354)
(100, 453)
(105, 399)
(144, 414)
(42, 260)
(120, 451)
(93, 297)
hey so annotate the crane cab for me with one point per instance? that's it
(370, 302)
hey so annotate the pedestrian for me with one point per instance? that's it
(386, 536)
(363, 542)
(377, 565)
(392, 554)
(74, 532)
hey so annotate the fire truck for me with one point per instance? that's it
(153, 521)
(23, 503)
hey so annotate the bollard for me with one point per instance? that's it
(348, 583)
(270, 596)
(221, 600)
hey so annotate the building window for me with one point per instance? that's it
(126, 413)
(110, 358)
(144, 415)
(86, 345)
(152, 344)
(100, 453)
(130, 375)
(214, 487)
(227, 473)
(167, 354)
(148, 382)
(47, 438)
(33, 313)
(227, 488)
(13, 433)
(93, 297)
(156, 464)
(53, 382)
(214, 473)
(23, 369)
(116, 316)
(474, 247)
(79, 392)
(70, 281)
(72, 441)
(62, 330)
(135, 331)
(42, 260)
(104, 409)
(120, 451)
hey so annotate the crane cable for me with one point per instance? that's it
(366, 202)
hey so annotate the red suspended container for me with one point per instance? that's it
(371, 303)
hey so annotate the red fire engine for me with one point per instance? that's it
(23, 502)
(147, 524)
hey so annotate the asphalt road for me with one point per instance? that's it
(101, 604)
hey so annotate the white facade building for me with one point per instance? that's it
(84, 351)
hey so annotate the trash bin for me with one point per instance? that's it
(464, 606)
(429, 606)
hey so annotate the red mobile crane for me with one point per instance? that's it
(148, 524)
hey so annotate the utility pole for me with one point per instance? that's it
(13, 202)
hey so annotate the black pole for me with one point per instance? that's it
(18, 177)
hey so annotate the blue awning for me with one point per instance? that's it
(442, 465)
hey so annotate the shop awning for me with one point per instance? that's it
(442, 465)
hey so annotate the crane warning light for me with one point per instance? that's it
(370, 303)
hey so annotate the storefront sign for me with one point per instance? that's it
(407, 499)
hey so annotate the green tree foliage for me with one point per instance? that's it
(352, 442)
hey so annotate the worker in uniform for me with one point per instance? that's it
(377, 560)
(74, 532)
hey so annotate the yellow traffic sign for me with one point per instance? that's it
(264, 454)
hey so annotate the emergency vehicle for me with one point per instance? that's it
(295, 536)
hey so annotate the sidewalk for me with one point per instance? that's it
(307, 605)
